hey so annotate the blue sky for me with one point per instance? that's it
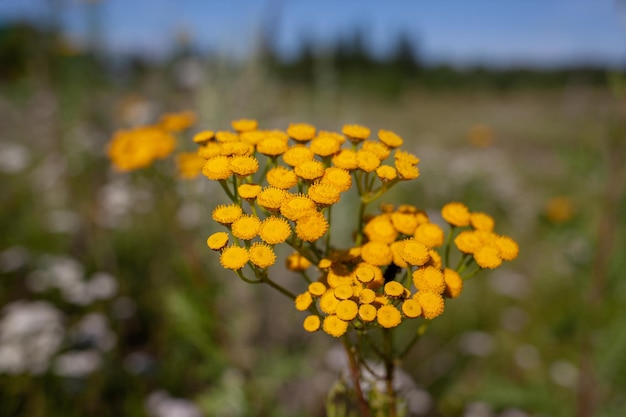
(501, 32)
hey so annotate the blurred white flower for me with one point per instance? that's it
(13, 258)
(564, 373)
(77, 364)
(102, 286)
(527, 356)
(514, 319)
(93, 331)
(14, 158)
(160, 404)
(478, 409)
(62, 221)
(476, 343)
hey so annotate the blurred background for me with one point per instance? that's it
(110, 302)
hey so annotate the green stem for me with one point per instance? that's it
(446, 258)
(389, 371)
(416, 337)
(355, 373)
(471, 274)
(248, 280)
(266, 279)
(227, 191)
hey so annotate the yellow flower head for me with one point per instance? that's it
(429, 234)
(381, 151)
(367, 296)
(380, 229)
(344, 291)
(295, 262)
(507, 248)
(262, 255)
(246, 227)
(414, 252)
(389, 138)
(347, 310)
(234, 257)
(203, 136)
(432, 304)
(338, 178)
(367, 161)
(317, 289)
(297, 206)
(303, 301)
(298, 154)
(388, 316)
(217, 168)
(405, 223)
(367, 312)
(301, 132)
(356, 133)
(394, 289)
(376, 253)
(429, 279)
(334, 326)
(244, 125)
(138, 148)
(227, 213)
(325, 146)
(252, 137)
(311, 227)
(224, 136)
(337, 136)
(272, 146)
(396, 252)
(487, 257)
(217, 241)
(249, 191)
(435, 259)
(244, 165)
(274, 230)
(406, 170)
(481, 221)
(454, 283)
(311, 323)
(189, 164)
(365, 273)
(411, 308)
(456, 214)
(210, 150)
(310, 170)
(271, 198)
(386, 173)
(405, 156)
(176, 122)
(236, 148)
(323, 194)
(281, 177)
(328, 302)
(345, 159)
(468, 241)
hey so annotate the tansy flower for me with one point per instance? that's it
(281, 177)
(344, 291)
(454, 283)
(487, 257)
(338, 278)
(367, 296)
(481, 221)
(234, 257)
(323, 194)
(297, 206)
(411, 308)
(376, 253)
(328, 302)
(334, 326)
(274, 230)
(365, 273)
(271, 198)
(346, 310)
(210, 150)
(414, 252)
(301, 132)
(272, 146)
(203, 136)
(310, 170)
(176, 122)
(468, 241)
(297, 155)
(405, 156)
(386, 173)
(338, 178)
(356, 133)
(456, 214)
(429, 279)
(303, 301)
(325, 146)
(507, 248)
(367, 161)
(337, 136)
(317, 289)
(381, 151)
(295, 262)
(388, 316)
(432, 304)
(380, 229)
(405, 223)
(189, 164)
(396, 253)
(226, 213)
(367, 312)
(406, 170)
(429, 234)
(345, 159)
(252, 137)
(389, 138)
(244, 125)
(217, 241)
(311, 323)
(223, 136)
(244, 165)
(262, 255)
(311, 227)
(138, 148)
(324, 264)
(248, 191)
(217, 168)
(394, 289)
(246, 227)
(435, 259)
(237, 148)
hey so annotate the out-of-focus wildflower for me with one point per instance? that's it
(480, 135)
(559, 209)
(189, 164)
(177, 122)
(138, 148)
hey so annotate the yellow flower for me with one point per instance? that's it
(272, 146)
(281, 177)
(411, 308)
(325, 146)
(275, 230)
(138, 148)
(338, 278)
(356, 133)
(227, 213)
(468, 241)
(271, 198)
(203, 136)
(302, 132)
(481, 221)
(337, 136)
(365, 273)
(344, 291)
(236, 148)
(334, 326)
(456, 214)
(376, 253)
(429, 279)
(345, 159)
(249, 191)
(310, 170)
(396, 253)
(394, 289)
(338, 178)
(223, 136)
(234, 257)
(405, 223)
(328, 302)
(244, 125)
(323, 194)
(386, 173)
(262, 255)
(303, 301)
(189, 164)
(311, 227)
(346, 310)
(388, 316)
(246, 227)
(244, 165)
(367, 312)
(414, 252)
(295, 262)
(381, 151)
(367, 161)
(406, 170)
(480, 135)
(210, 150)
(507, 248)
(380, 229)
(454, 283)
(559, 209)
(297, 206)
(429, 234)
(297, 155)
(435, 259)
(253, 137)
(217, 241)
(389, 138)
(324, 263)
(367, 296)
(317, 289)
(487, 257)
(432, 304)
(217, 168)
(311, 323)
(176, 122)
(407, 157)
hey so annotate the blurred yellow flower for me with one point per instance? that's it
(189, 165)
(244, 125)
(456, 214)
(176, 122)
(334, 326)
(389, 138)
(432, 304)
(356, 133)
(301, 132)
(311, 323)
(559, 209)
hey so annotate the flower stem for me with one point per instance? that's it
(355, 373)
